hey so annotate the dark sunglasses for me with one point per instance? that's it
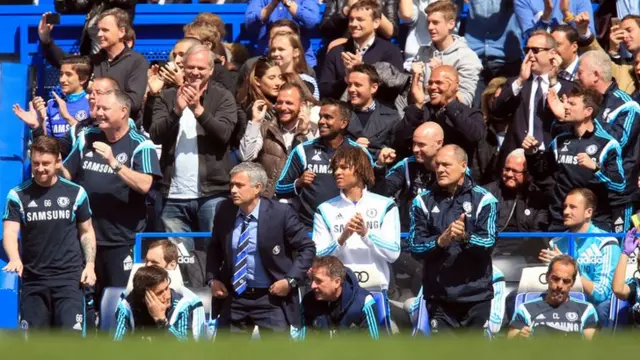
(535, 50)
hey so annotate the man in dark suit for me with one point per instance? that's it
(528, 92)
(251, 268)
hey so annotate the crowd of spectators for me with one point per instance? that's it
(520, 117)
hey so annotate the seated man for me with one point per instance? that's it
(597, 256)
(336, 302)
(555, 312)
(152, 305)
(162, 253)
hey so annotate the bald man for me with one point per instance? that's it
(462, 125)
(454, 228)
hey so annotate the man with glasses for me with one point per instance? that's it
(527, 93)
(555, 312)
(522, 209)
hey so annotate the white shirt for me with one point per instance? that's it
(184, 183)
(372, 253)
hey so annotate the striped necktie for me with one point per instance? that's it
(240, 265)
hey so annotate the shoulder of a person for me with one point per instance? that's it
(219, 91)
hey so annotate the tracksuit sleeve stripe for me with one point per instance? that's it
(282, 188)
(322, 237)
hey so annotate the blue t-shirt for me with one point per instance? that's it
(78, 107)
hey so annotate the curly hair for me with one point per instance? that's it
(354, 157)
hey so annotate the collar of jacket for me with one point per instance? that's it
(350, 45)
(611, 89)
(123, 54)
(467, 185)
(320, 144)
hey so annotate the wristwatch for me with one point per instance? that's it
(292, 282)
(118, 167)
(162, 324)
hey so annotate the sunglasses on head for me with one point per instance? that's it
(535, 50)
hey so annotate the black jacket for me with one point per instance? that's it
(331, 80)
(335, 24)
(520, 211)
(462, 125)
(283, 244)
(518, 105)
(129, 69)
(92, 8)
(462, 272)
(379, 128)
(214, 130)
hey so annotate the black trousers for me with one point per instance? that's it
(446, 317)
(113, 267)
(255, 307)
(53, 303)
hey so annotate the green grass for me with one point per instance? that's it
(396, 348)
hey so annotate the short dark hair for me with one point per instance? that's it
(448, 9)
(368, 70)
(286, 23)
(635, 18)
(344, 108)
(81, 65)
(590, 198)
(373, 5)
(146, 278)
(569, 31)
(169, 250)
(46, 145)
(335, 268)
(564, 259)
(122, 19)
(591, 98)
(354, 157)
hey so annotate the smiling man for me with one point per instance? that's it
(58, 243)
(308, 173)
(372, 123)
(555, 313)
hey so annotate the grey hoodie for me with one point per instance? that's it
(462, 58)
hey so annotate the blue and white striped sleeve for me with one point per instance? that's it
(521, 318)
(13, 209)
(369, 320)
(486, 223)
(611, 172)
(123, 320)
(604, 270)
(322, 237)
(420, 239)
(589, 318)
(145, 158)
(293, 168)
(385, 240)
(497, 306)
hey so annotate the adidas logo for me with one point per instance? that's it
(540, 317)
(618, 222)
(317, 156)
(339, 217)
(77, 326)
(32, 204)
(89, 154)
(435, 209)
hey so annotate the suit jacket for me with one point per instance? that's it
(519, 125)
(280, 234)
(379, 128)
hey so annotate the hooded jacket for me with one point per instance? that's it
(462, 58)
(355, 309)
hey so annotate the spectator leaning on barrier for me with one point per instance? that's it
(453, 230)
(152, 306)
(462, 125)
(413, 174)
(336, 303)
(194, 124)
(360, 228)
(115, 59)
(306, 176)
(259, 254)
(59, 114)
(116, 165)
(586, 156)
(447, 48)
(363, 46)
(555, 312)
(261, 14)
(270, 142)
(53, 218)
(372, 122)
(597, 256)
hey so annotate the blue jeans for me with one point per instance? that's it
(195, 215)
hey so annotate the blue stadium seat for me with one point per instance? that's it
(9, 290)
(110, 298)
(382, 310)
(423, 325)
